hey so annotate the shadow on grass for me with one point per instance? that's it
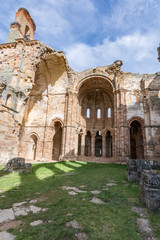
(44, 177)
(39, 180)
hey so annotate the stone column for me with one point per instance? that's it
(93, 146)
(103, 146)
(69, 126)
(116, 125)
(120, 126)
(82, 144)
(76, 144)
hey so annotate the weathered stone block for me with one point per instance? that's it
(150, 189)
(18, 164)
(135, 168)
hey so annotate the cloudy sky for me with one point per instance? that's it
(94, 32)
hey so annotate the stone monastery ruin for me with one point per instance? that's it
(51, 112)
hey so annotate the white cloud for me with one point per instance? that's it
(94, 33)
(134, 50)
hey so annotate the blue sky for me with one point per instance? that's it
(94, 32)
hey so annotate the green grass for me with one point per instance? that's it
(111, 221)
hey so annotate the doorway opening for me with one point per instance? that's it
(57, 141)
(98, 144)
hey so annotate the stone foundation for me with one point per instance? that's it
(17, 164)
(136, 167)
(150, 189)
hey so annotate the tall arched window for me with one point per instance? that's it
(99, 113)
(9, 101)
(134, 98)
(109, 112)
(88, 113)
(27, 33)
(57, 141)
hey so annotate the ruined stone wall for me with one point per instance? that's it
(46, 104)
(38, 89)
(22, 27)
(17, 83)
(18, 65)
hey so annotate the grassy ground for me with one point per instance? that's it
(111, 221)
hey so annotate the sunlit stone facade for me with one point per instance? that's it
(51, 112)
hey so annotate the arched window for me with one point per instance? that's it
(88, 113)
(57, 141)
(109, 112)
(99, 113)
(134, 98)
(27, 33)
(9, 101)
(32, 147)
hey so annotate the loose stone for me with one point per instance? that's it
(111, 184)
(6, 236)
(97, 201)
(73, 224)
(35, 209)
(18, 204)
(140, 211)
(6, 215)
(33, 201)
(105, 188)
(145, 228)
(69, 214)
(95, 191)
(35, 223)
(73, 188)
(72, 193)
(81, 236)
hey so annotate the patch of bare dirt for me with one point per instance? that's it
(11, 224)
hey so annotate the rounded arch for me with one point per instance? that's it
(31, 134)
(93, 76)
(135, 95)
(27, 32)
(9, 100)
(32, 141)
(136, 118)
(111, 130)
(137, 137)
(54, 120)
(57, 139)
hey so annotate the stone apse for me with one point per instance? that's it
(51, 112)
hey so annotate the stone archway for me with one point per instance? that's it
(57, 141)
(95, 114)
(136, 140)
(32, 147)
(98, 144)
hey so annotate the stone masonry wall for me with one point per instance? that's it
(38, 89)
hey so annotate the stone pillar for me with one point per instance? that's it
(147, 137)
(120, 125)
(103, 146)
(76, 144)
(116, 125)
(82, 144)
(69, 126)
(93, 146)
